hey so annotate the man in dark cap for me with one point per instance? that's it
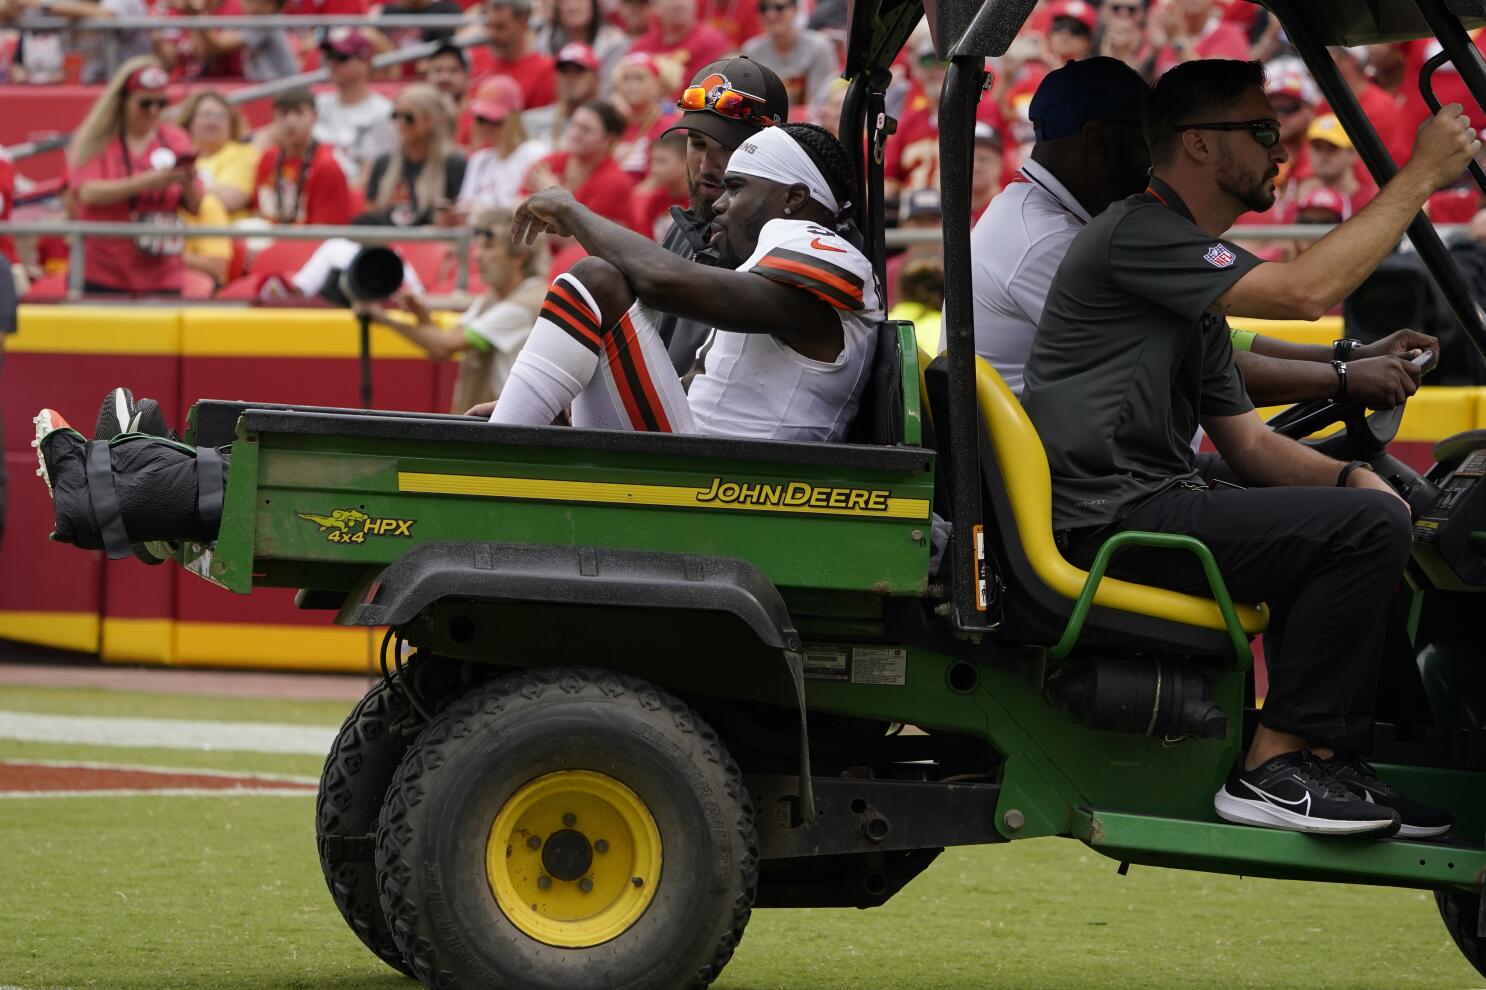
(727, 101)
(1090, 152)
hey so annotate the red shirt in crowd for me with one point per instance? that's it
(911, 157)
(7, 204)
(534, 72)
(289, 194)
(1219, 39)
(652, 215)
(320, 8)
(607, 191)
(704, 44)
(737, 20)
(118, 262)
(190, 63)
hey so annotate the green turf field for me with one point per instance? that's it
(212, 893)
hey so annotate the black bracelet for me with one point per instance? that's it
(1342, 348)
(1348, 468)
(1340, 367)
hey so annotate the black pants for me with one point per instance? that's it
(1326, 560)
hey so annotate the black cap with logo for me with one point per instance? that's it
(739, 74)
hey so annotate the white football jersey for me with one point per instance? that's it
(754, 384)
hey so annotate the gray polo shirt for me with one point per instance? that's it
(1127, 359)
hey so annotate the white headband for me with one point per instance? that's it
(772, 154)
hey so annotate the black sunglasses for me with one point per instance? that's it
(403, 117)
(485, 233)
(1266, 132)
(154, 103)
(764, 8)
(336, 57)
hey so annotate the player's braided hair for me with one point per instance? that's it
(829, 156)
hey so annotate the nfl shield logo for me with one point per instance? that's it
(1219, 256)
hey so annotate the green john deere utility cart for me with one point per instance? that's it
(638, 685)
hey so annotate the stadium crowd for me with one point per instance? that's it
(581, 94)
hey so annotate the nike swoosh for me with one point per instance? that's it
(1302, 805)
(826, 247)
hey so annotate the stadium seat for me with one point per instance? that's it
(282, 256)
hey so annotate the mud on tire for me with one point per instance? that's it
(490, 745)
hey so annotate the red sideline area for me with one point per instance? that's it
(59, 596)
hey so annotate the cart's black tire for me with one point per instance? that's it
(1459, 911)
(361, 763)
(484, 755)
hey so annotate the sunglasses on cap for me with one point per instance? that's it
(153, 103)
(1266, 132)
(728, 103)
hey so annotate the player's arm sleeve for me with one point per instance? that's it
(818, 261)
(1163, 258)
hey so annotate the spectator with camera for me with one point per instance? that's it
(124, 165)
(492, 331)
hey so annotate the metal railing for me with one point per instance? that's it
(284, 22)
(902, 237)
(76, 230)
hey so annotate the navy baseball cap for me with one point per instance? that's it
(1099, 88)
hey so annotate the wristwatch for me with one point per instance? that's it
(1348, 468)
(1343, 348)
(1340, 367)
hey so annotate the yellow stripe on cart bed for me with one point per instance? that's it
(719, 493)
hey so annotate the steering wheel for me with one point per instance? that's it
(1364, 435)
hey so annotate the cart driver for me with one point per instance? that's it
(1133, 352)
(793, 307)
(1090, 152)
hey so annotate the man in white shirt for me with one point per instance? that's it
(1090, 152)
(355, 119)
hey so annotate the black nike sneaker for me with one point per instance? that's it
(1294, 791)
(115, 413)
(1419, 821)
(149, 419)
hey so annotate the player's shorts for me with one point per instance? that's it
(636, 387)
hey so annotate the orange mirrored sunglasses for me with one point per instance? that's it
(727, 102)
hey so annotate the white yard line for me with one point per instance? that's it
(98, 730)
(159, 792)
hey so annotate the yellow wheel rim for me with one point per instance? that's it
(574, 858)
